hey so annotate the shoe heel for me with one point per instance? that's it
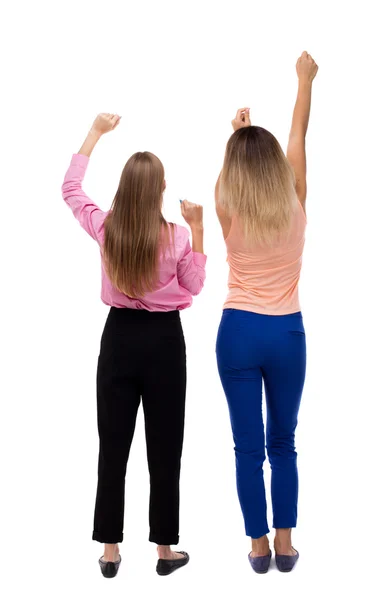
(109, 569)
(285, 564)
(260, 564)
(163, 569)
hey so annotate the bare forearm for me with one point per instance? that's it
(301, 115)
(90, 142)
(198, 238)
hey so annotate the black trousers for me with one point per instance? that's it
(142, 356)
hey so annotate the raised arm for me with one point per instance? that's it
(191, 266)
(306, 69)
(193, 215)
(89, 215)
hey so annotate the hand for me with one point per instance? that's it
(105, 122)
(242, 119)
(192, 213)
(306, 68)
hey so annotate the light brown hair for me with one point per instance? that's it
(257, 184)
(135, 229)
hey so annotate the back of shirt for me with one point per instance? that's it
(181, 271)
(264, 279)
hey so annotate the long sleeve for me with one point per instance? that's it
(191, 270)
(90, 216)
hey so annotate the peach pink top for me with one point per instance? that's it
(264, 279)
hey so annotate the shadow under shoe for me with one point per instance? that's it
(166, 567)
(109, 569)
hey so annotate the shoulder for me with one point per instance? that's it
(181, 234)
(180, 237)
(99, 219)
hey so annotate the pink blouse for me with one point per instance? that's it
(182, 271)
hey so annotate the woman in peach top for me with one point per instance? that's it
(260, 200)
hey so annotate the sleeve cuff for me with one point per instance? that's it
(199, 259)
(79, 160)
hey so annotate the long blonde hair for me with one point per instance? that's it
(135, 227)
(257, 185)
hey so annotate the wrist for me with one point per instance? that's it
(305, 83)
(95, 134)
(197, 227)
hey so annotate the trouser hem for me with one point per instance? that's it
(164, 540)
(255, 535)
(284, 525)
(107, 539)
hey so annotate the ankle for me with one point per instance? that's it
(164, 552)
(283, 541)
(111, 553)
(260, 546)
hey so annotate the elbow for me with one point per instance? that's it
(193, 285)
(197, 286)
(66, 189)
(195, 292)
(297, 135)
(70, 188)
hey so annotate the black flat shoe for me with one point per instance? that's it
(109, 569)
(165, 567)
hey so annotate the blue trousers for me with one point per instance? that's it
(252, 349)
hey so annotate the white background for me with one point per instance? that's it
(177, 72)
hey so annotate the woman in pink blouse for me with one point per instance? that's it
(149, 273)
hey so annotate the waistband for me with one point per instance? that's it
(140, 315)
(266, 316)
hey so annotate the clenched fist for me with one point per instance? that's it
(306, 67)
(105, 122)
(242, 119)
(192, 213)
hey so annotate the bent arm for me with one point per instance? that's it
(197, 238)
(191, 266)
(89, 215)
